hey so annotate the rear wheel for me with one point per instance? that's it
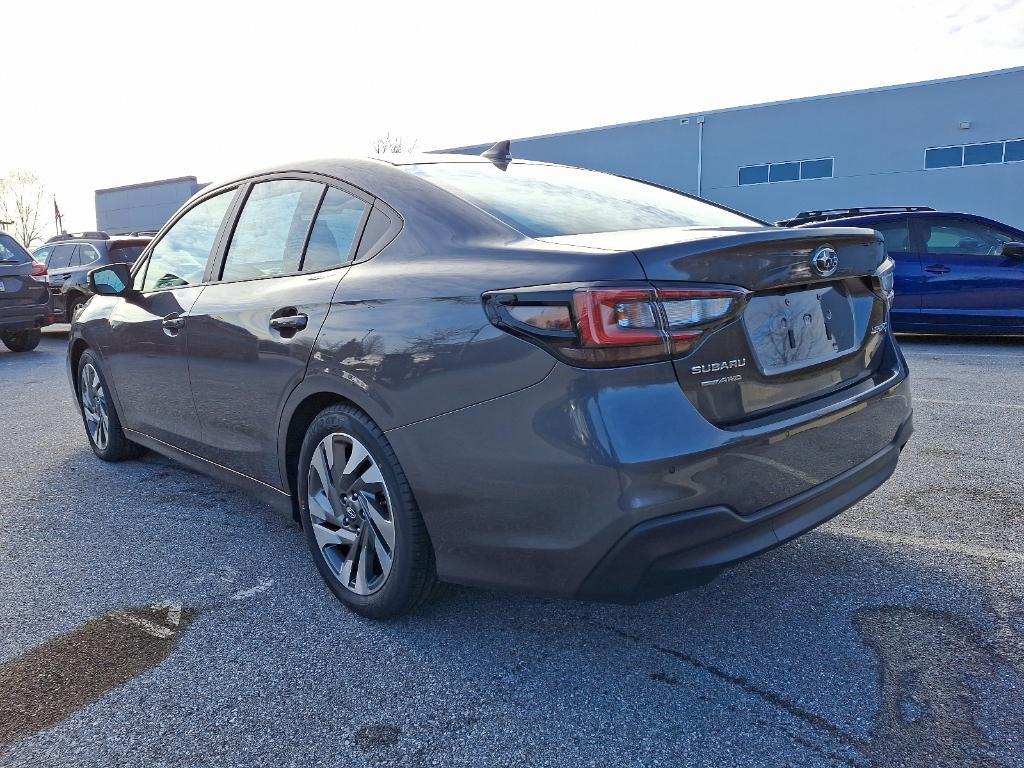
(102, 424)
(21, 341)
(363, 528)
(75, 306)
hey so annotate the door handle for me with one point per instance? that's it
(173, 323)
(937, 269)
(64, 276)
(289, 322)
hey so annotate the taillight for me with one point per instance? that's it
(38, 269)
(599, 325)
(883, 280)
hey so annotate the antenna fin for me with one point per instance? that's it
(500, 154)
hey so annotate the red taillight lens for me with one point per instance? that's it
(38, 270)
(599, 326)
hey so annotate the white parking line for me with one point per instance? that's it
(935, 545)
(923, 353)
(262, 586)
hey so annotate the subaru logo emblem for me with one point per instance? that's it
(825, 261)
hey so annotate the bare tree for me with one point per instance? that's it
(382, 145)
(21, 201)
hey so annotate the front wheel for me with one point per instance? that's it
(362, 526)
(21, 341)
(102, 424)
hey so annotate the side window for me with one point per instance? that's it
(181, 255)
(334, 235)
(61, 256)
(42, 254)
(942, 238)
(896, 235)
(87, 255)
(272, 229)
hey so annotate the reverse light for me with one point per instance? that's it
(607, 326)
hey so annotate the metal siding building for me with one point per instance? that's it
(876, 139)
(142, 207)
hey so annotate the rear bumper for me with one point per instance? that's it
(676, 552)
(25, 317)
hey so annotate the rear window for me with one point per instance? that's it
(553, 200)
(11, 251)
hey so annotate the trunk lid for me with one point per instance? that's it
(805, 332)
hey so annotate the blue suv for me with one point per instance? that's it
(955, 272)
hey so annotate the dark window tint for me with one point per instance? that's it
(334, 233)
(272, 229)
(784, 172)
(11, 251)
(816, 169)
(378, 227)
(896, 235)
(181, 255)
(980, 154)
(552, 200)
(126, 253)
(1014, 151)
(61, 256)
(944, 157)
(962, 237)
(754, 174)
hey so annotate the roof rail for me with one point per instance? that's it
(79, 236)
(829, 214)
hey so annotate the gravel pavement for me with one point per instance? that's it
(150, 616)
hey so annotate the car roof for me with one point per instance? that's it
(868, 218)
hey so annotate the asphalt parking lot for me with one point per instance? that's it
(151, 616)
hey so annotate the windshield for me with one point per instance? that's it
(551, 200)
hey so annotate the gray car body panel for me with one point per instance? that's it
(527, 470)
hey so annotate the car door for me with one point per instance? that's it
(906, 309)
(147, 354)
(58, 269)
(252, 330)
(967, 281)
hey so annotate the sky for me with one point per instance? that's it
(101, 94)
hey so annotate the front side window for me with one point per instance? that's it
(334, 234)
(896, 235)
(554, 200)
(272, 229)
(181, 255)
(964, 238)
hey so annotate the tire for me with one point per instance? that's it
(75, 307)
(21, 341)
(102, 424)
(354, 523)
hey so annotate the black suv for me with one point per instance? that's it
(69, 258)
(24, 300)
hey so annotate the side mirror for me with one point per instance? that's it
(112, 280)
(1013, 250)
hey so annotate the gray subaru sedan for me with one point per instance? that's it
(487, 371)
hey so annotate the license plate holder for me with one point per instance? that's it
(796, 330)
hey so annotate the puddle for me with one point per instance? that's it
(47, 684)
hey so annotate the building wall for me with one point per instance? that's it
(141, 207)
(877, 139)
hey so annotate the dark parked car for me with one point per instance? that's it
(69, 258)
(24, 299)
(955, 272)
(501, 373)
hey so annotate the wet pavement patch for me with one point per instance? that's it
(47, 684)
(377, 735)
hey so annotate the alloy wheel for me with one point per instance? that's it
(94, 406)
(350, 513)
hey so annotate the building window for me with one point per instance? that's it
(985, 153)
(796, 170)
